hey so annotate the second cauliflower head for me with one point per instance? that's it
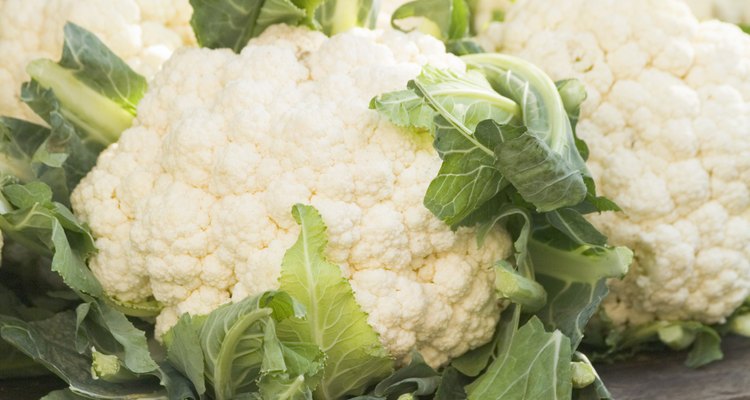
(192, 205)
(667, 121)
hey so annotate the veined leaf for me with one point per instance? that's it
(334, 320)
(535, 365)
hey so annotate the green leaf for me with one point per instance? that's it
(113, 334)
(48, 227)
(475, 361)
(536, 365)
(51, 342)
(706, 349)
(594, 391)
(573, 225)
(182, 350)
(444, 19)
(334, 320)
(574, 276)
(519, 289)
(468, 177)
(451, 386)
(91, 88)
(540, 174)
(543, 107)
(231, 23)
(232, 339)
(417, 378)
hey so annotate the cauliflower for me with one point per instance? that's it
(734, 11)
(667, 120)
(142, 32)
(192, 205)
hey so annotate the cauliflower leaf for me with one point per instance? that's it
(90, 88)
(355, 358)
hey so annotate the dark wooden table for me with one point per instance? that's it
(653, 377)
(664, 377)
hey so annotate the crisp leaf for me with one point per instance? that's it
(535, 365)
(90, 89)
(334, 320)
(182, 345)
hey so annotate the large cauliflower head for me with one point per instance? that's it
(144, 33)
(668, 124)
(192, 205)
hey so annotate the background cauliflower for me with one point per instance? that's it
(142, 32)
(668, 122)
(192, 205)
(734, 11)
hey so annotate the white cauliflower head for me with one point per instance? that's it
(667, 121)
(192, 205)
(144, 33)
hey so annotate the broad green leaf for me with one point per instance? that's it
(231, 23)
(416, 379)
(574, 276)
(51, 342)
(334, 320)
(543, 107)
(64, 394)
(182, 350)
(539, 174)
(475, 361)
(113, 334)
(451, 385)
(232, 339)
(283, 387)
(49, 228)
(573, 225)
(535, 365)
(91, 88)
(468, 176)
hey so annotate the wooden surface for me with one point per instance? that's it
(653, 377)
(664, 377)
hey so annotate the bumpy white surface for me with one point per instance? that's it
(142, 32)
(193, 204)
(668, 123)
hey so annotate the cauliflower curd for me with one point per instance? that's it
(667, 120)
(144, 33)
(192, 205)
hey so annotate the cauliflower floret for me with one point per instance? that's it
(668, 124)
(144, 33)
(192, 205)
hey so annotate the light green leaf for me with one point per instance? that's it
(535, 365)
(574, 276)
(577, 228)
(334, 320)
(90, 88)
